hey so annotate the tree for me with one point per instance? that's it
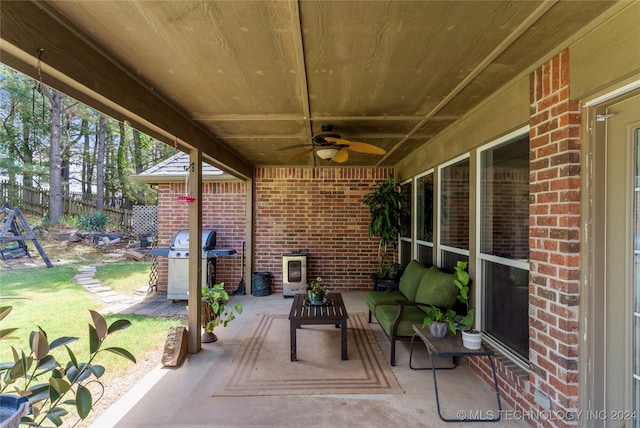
(102, 136)
(56, 209)
(52, 143)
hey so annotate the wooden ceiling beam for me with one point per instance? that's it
(72, 65)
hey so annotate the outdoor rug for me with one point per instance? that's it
(263, 366)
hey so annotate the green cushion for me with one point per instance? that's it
(386, 314)
(376, 298)
(411, 279)
(437, 288)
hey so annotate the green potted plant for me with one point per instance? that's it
(47, 391)
(317, 291)
(216, 311)
(440, 321)
(385, 209)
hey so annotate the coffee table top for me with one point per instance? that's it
(303, 310)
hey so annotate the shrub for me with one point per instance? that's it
(95, 223)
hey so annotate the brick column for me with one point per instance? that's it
(554, 237)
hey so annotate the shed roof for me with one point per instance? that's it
(175, 169)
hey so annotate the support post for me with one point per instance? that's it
(195, 250)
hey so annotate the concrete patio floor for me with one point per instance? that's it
(181, 397)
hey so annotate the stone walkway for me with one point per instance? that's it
(141, 302)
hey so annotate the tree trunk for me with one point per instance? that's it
(101, 143)
(27, 156)
(87, 164)
(137, 160)
(121, 160)
(56, 207)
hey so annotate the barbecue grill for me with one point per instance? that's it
(178, 254)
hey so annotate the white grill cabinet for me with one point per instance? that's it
(178, 263)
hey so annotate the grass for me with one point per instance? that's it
(61, 308)
(124, 277)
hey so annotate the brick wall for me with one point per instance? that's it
(454, 228)
(318, 211)
(554, 237)
(223, 208)
(502, 210)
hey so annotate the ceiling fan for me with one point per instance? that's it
(329, 146)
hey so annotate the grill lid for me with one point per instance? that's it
(181, 240)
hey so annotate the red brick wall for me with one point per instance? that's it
(454, 228)
(504, 211)
(224, 209)
(554, 237)
(318, 211)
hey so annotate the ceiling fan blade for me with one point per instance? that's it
(299, 155)
(358, 147)
(341, 156)
(337, 140)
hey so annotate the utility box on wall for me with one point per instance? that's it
(294, 274)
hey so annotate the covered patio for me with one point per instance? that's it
(184, 396)
(510, 127)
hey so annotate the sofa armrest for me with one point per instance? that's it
(401, 306)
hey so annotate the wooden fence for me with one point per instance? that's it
(36, 201)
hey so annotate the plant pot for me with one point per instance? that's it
(438, 329)
(12, 409)
(385, 284)
(207, 315)
(316, 297)
(472, 339)
(208, 337)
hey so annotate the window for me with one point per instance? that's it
(454, 213)
(405, 223)
(424, 219)
(504, 243)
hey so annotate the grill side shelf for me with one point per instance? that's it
(161, 252)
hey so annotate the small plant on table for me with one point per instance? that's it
(316, 290)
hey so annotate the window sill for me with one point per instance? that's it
(512, 371)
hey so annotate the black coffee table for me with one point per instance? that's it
(303, 312)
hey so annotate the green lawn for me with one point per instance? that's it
(125, 276)
(61, 307)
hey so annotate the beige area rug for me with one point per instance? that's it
(263, 366)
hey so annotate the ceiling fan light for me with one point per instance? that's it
(327, 154)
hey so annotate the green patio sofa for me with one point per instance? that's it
(419, 289)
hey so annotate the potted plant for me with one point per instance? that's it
(317, 291)
(439, 321)
(216, 310)
(385, 208)
(41, 389)
(451, 320)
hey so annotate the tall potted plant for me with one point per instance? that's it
(384, 203)
(216, 310)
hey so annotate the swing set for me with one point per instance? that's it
(16, 230)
